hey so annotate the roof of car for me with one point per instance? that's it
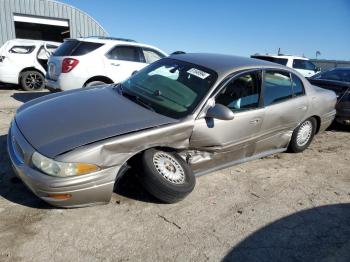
(103, 40)
(222, 64)
(32, 41)
(114, 41)
(282, 56)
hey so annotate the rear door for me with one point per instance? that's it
(285, 105)
(123, 60)
(20, 56)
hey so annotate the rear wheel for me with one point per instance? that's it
(303, 135)
(166, 175)
(32, 81)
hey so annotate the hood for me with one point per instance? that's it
(61, 122)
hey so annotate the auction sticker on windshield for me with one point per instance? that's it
(198, 73)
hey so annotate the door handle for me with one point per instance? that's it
(114, 64)
(302, 108)
(254, 121)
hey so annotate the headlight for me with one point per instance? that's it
(60, 169)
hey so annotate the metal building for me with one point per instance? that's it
(44, 20)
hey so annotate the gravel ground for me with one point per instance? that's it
(286, 207)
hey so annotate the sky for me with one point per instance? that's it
(241, 27)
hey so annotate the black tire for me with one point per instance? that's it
(95, 83)
(300, 145)
(32, 81)
(161, 187)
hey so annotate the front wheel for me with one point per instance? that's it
(303, 135)
(32, 81)
(166, 175)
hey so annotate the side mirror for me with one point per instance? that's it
(220, 112)
(317, 69)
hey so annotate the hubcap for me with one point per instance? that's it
(304, 133)
(169, 168)
(34, 81)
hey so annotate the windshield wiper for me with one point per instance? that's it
(135, 98)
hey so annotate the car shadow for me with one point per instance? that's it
(317, 234)
(129, 186)
(337, 127)
(11, 187)
(9, 87)
(27, 96)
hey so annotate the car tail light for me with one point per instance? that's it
(68, 64)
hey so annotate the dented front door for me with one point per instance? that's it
(221, 142)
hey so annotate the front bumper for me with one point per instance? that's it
(85, 190)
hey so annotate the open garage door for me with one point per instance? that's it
(38, 28)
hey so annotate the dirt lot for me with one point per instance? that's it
(286, 207)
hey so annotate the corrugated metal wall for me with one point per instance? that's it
(80, 23)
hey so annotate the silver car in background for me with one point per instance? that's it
(180, 117)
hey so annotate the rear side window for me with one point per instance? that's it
(281, 61)
(298, 87)
(151, 55)
(277, 87)
(126, 53)
(76, 48)
(17, 49)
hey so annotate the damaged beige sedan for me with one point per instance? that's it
(180, 117)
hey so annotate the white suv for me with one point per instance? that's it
(24, 62)
(94, 61)
(301, 64)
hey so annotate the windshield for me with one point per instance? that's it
(171, 87)
(341, 74)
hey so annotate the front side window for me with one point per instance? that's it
(125, 53)
(151, 55)
(170, 87)
(303, 64)
(21, 49)
(310, 66)
(277, 87)
(242, 93)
